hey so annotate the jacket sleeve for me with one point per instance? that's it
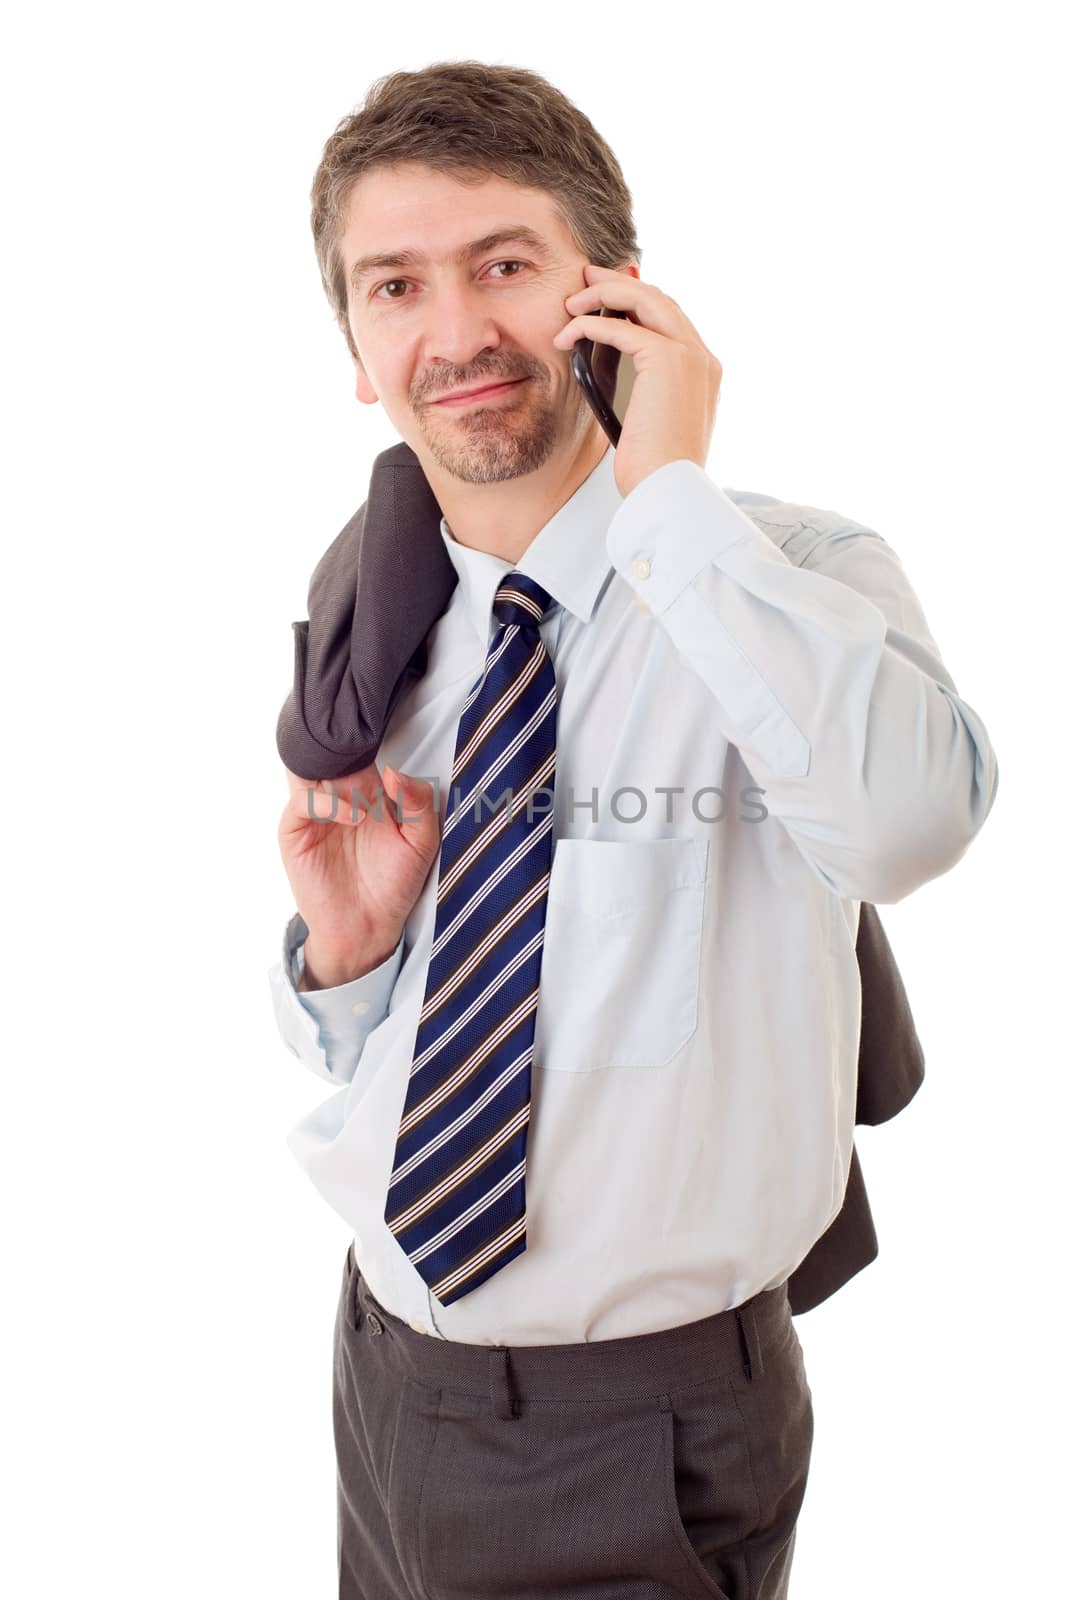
(821, 669)
(327, 1028)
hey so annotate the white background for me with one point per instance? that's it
(859, 207)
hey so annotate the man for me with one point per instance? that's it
(586, 973)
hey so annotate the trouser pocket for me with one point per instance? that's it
(563, 1497)
(758, 1441)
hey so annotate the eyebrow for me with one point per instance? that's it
(514, 233)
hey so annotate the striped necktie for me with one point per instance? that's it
(457, 1196)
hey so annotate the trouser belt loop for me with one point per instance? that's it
(504, 1403)
(750, 1345)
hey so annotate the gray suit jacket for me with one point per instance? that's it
(373, 599)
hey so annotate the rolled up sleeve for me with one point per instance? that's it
(821, 669)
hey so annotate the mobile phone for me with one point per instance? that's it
(606, 377)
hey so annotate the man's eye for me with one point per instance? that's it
(390, 281)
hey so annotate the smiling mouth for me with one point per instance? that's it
(490, 392)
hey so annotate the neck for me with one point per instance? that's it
(504, 518)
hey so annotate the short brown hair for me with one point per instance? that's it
(472, 119)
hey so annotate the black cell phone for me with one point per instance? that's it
(606, 376)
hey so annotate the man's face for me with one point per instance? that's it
(425, 327)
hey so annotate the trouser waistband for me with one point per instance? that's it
(730, 1344)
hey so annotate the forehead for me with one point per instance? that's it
(412, 208)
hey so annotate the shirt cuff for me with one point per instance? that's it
(658, 544)
(346, 1008)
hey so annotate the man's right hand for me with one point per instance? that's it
(356, 878)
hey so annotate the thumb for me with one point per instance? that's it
(413, 800)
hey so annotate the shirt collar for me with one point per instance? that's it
(568, 557)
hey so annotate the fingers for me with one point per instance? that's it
(623, 334)
(408, 802)
(318, 802)
(331, 799)
(646, 304)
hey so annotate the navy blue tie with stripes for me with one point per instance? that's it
(457, 1196)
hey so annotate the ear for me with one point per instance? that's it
(365, 390)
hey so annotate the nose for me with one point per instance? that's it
(460, 327)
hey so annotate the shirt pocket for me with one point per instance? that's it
(620, 966)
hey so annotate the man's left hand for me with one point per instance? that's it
(671, 411)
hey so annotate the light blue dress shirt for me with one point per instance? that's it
(755, 732)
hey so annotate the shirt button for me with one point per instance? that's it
(641, 567)
(359, 1007)
(420, 1327)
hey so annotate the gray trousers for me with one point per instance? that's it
(667, 1464)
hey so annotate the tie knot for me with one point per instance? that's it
(521, 599)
